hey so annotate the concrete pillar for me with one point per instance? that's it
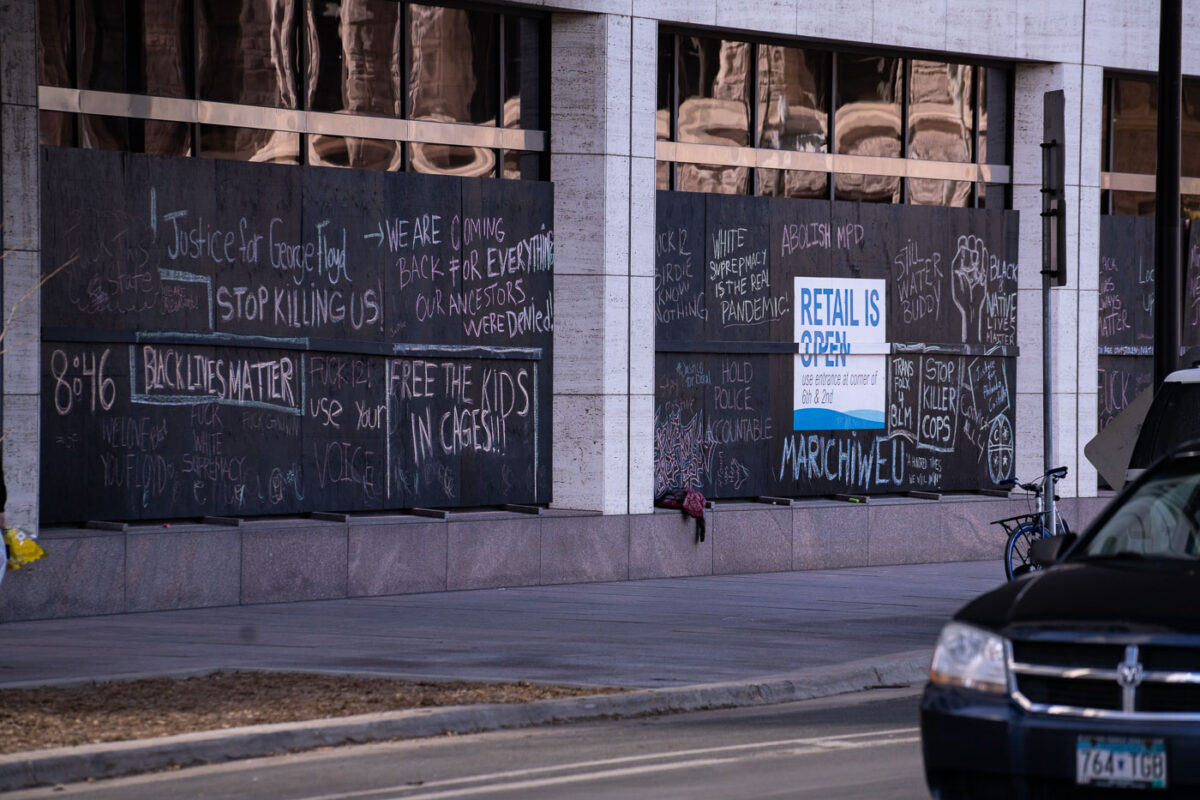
(1075, 306)
(603, 75)
(20, 234)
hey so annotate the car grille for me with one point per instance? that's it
(1116, 678)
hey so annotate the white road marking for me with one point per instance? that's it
(608, 768)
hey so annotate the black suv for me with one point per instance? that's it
(1082, 679)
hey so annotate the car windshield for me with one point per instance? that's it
(1158, 520)
(1171, 420)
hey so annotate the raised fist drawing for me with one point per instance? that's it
(968, 283)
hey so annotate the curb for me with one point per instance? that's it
(115, 759)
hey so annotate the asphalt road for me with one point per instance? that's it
(864, 745)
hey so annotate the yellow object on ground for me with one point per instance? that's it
(22, 549)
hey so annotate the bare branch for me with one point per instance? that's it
(12, 312)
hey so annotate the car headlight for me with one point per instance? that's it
(969, 657)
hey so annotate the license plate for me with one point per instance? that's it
(1126, 763)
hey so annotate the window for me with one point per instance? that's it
(452, 64)
(793, 114)
(1130, 145)
(738, 116)
(373, 84)
(247, 52)
(714, 108)
(941, 127)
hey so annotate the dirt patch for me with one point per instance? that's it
(38, 718)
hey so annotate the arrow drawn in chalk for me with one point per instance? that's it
(378, 235)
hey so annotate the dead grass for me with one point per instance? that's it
(34, 719)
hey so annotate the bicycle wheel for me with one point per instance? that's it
(1016, 551)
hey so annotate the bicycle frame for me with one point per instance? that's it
(1021, 529)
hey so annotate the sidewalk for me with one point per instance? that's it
(685, 643)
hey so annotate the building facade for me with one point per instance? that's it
(310, 300)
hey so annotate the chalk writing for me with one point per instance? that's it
(863, 463)
(678, 283)
(223, 395)
(175, 374)
(941, 420)
(937, 412)
(1120, 379)
(795, 236)
(739, 279)
(918, 282)
(481, 404)
(81, 376)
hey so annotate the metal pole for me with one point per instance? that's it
(1047, 360)
(1052, 207)
(1167, 227)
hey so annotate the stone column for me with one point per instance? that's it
(1075, 306)
(603, 75)
(20, 235)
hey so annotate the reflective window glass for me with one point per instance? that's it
(355, 52)
(793, 183)
(866, 188)
(938, 192)
(165, 56)
(1134, 125)
(666, 87)
(453, 66)
(147, 52)
(523, 73)
(1191, 206)
(56, 129)
(1190, 129)
(994, 93)
(372, 57)
(714, 91)
(358, 153)
(156, 137)
(524, 166)
(247, 52)
(56, 43)
(941, 111)
(712, 178)
(103, 46)
(444, 159)
(104, 133)
(662, 175)
(162, 138)
(1133, 204)
(772, 96)
(868, 110)
(249, 144)
(793, 104)
(1105, 144)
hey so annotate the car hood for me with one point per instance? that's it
(1127, 595)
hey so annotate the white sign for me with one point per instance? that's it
(841, 370)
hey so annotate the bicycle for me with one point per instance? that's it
(1024, 529)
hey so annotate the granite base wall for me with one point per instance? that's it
(158, 567)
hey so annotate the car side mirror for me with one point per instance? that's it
(1049, 549)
